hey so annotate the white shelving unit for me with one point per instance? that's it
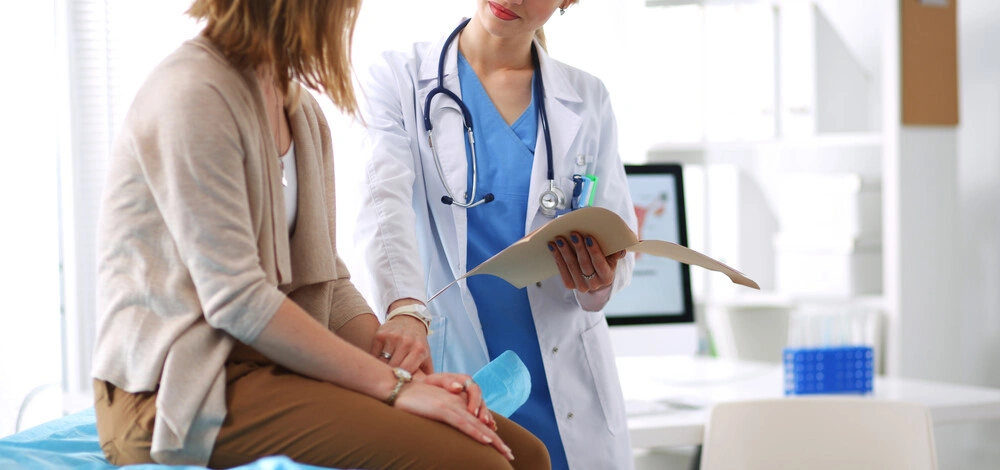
(785, 93)
(938, 195)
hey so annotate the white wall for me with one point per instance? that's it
(947, 260)
(382, 25)
(977, 280)
(29, 238)
(978, 173)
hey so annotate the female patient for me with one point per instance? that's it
(230, 329)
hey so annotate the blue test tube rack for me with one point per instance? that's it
(829, 370)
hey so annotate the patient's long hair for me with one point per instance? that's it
(305, 40)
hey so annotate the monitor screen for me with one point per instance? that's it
(660, 291)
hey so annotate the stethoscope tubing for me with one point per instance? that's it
(468, 201)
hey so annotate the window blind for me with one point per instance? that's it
(112, 45)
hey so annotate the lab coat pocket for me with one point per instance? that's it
(439, 330)
(600, 358)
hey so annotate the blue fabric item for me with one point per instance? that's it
(71, 442)
(505, 155)
(505, 382)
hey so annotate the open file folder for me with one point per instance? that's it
(528, 260)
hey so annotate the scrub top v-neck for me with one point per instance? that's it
(505, 155)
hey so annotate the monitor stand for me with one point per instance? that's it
(655, 340)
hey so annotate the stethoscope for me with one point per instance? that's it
(552, 199)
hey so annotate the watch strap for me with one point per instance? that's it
(400, 381)
(417, 311)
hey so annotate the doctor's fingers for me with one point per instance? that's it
(378, 349)
(593, 267)
(604, 265)
(399, 347)
(411, 360)
(427, 366)
(578, 262)
(409, 353)
(558, 247)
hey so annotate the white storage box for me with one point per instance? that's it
(823, 267)
(840, 203)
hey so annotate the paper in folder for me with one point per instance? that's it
(528, 260)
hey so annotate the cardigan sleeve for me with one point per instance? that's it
(348, 302)
(193, 156)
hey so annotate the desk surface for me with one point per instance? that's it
(678, 391)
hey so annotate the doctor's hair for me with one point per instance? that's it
(304, 40)
(540, 32)
(540, 38)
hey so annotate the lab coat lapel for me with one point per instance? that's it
(446, 119)
(449, 138)
(564, 126)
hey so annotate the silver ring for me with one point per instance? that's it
(468, 383)
(386, 355)
(590, 276)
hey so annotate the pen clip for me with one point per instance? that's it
(577, 189)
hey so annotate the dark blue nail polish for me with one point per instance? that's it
(590, 241)
(575, 240)
(559, 242)
(551, 247)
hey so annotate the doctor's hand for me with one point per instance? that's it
(582, 263)
(402, 342)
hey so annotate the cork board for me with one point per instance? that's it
(929, 62)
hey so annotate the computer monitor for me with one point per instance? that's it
(654, 314)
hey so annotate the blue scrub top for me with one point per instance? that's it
(504, 158)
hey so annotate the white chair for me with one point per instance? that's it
(819, 433)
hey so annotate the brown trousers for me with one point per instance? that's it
(273, 411)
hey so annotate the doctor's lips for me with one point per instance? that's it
(502, 13)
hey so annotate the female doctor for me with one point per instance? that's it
(474, 141)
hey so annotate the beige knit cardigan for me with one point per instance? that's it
(193, 248)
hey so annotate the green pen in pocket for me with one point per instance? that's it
(589, 189)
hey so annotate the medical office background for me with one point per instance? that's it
(753, 96)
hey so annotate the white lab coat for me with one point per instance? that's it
(415, 245)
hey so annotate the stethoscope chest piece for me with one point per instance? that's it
(552, 200)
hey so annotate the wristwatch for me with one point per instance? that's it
(418, 311)
(403, 377)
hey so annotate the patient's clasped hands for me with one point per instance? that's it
(453, 399)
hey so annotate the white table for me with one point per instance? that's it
(678, 391)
